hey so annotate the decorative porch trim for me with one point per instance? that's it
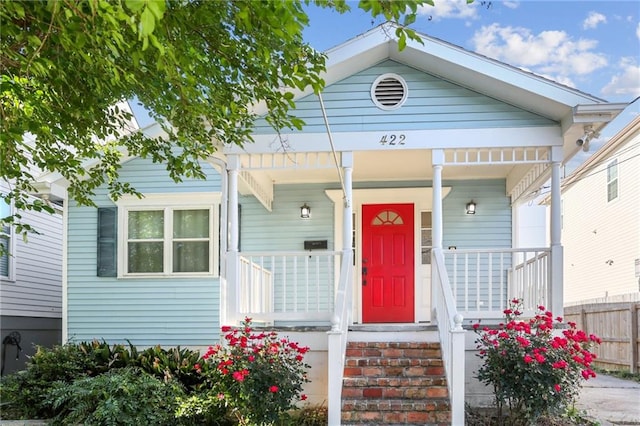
(288, 160)
(528, 187)
(484, 156)
(263, 194)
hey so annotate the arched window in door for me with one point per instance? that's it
(387, 217)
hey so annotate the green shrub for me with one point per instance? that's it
(534, 370)
(24, 391)
(204, 407)
(100, 357)
(258, 375)
(309, 415)
(126, 396)
(173, 364)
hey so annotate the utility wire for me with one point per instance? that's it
(333, 148)
(546, 189)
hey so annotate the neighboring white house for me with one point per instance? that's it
(413, 201)
(601, 221)
(30, 286)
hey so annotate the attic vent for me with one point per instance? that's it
(389, 91)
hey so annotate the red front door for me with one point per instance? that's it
(387, 263)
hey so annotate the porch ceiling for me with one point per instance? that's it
(375, 166)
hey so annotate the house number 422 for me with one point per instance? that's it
(392, 139)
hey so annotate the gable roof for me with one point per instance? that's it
(570, 107)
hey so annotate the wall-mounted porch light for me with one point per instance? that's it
(305, 211)
(471, 207)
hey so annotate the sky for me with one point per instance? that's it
(593, 46)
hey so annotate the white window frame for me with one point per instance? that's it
(169, 203)
(11, 264)
(613, 165)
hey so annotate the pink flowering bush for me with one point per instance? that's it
(257, 376)
(535, 366)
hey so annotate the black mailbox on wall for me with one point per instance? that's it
(315, 245)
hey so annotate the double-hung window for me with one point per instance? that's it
(6, 241)
(612, 180)
(168, 235)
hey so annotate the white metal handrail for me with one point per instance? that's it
(451, 336)
(337, 343)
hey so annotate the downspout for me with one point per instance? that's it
(65, 268)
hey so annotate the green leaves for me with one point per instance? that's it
(148, 12)
(198, 66)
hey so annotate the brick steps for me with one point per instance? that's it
(394, 383)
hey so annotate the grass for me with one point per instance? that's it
(487, 416)
(621, 374)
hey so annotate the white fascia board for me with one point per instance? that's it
(493, 78)
(54, 191)
(414, 139)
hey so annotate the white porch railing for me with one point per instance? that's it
(484, 280)
(451, 336)
(530, 279)
(288, 286)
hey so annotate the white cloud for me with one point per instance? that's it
(554, 54)
(593, 20)
(638, 30)
(457, 9)
(511, 4)
(627, 81)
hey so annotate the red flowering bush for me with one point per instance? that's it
(535, 366)
(257, 376)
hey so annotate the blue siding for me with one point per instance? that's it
(432, 103)
(490, 227)
(145, 311)
(282, 228)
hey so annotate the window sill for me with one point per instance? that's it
(167, 276)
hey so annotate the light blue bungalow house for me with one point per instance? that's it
(389, 218)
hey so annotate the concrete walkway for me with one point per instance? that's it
(611, 401)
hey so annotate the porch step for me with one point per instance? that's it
(394, 383)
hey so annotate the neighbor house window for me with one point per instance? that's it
(612, 180)
(6, 241)
(172, 235)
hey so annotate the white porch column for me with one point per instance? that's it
(230, 286)
(556, 291)
(437, 156)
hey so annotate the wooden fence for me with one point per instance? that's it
(617, 325)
